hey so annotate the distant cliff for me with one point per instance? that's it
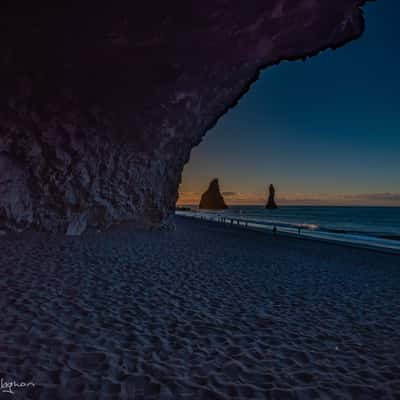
(271, 204)
(212, 198)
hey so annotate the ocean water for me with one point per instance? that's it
(383, 222)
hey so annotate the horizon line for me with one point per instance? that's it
(178, 204)
(378, 199)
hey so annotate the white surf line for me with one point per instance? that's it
(372, 243)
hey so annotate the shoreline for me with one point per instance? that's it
(380, 244)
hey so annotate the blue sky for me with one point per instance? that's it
(328, 127)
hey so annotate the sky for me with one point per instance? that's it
(324, 131)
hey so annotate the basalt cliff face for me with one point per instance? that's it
(212, 198)
(100, 106)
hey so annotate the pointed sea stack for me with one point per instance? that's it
(271, 205)
(212, 198)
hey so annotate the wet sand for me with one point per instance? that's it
(205, 312)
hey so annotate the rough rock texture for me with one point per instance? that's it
(212, 198)
(101, 105)
(271, 204)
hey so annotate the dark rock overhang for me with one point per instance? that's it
(101, 105)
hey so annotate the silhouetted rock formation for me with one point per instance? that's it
(271, 204)
(212, 198)
(100, 105)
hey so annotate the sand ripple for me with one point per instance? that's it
(205, 312)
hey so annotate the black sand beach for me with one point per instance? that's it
(204, 312)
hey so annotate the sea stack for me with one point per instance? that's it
(212, 198)
(271, 204)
